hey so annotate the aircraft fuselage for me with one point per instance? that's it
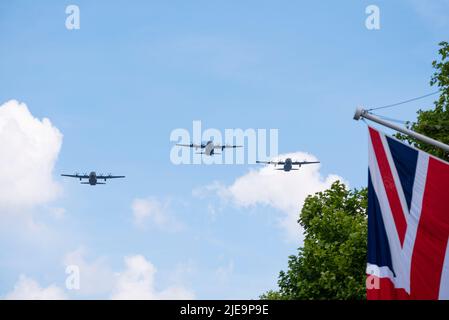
(209, 149)
(92, 178)
(288, 165)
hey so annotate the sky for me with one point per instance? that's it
(106, 97)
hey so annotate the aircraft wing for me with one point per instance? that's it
(304, 162)
(78, 176)
(102, 176)
(271, 162)
(226, 146)
(192, 145)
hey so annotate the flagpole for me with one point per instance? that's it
(361, 113)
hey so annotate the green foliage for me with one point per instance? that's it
(434, 123)
(272, 295)
(332, 262)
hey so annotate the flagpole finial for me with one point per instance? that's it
(358, 113)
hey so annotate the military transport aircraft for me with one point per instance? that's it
(288, 164)
(92, 177)
(209, 147)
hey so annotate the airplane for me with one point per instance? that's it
(209, 147)
(92, 177)
(288, 164)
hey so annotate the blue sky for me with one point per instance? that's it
(135, 71)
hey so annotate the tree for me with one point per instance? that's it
(332, 262)
(434, 123)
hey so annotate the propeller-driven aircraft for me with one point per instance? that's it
(288, 164)
(92, 178)
(209, 147)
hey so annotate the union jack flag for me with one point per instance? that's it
(408, 222)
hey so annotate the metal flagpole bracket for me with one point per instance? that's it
(358, 113)
(362, 113)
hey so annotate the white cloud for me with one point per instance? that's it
(285, 191)
(138, 282)
(184, 272)
(97, 280)
(154, 212)
(29, 148)
(96, 277)
(28, 289)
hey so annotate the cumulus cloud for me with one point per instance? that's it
(137, 281)
(28, 289)
(285, 191)
(151, 211)
(96, 277)
(29, 148)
